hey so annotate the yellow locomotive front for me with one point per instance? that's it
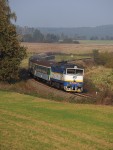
(73, 79)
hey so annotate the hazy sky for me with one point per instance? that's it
(63, 13)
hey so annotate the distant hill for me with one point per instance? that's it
(88, 32)
(99, 32)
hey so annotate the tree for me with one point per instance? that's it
(50, 38)
(37, 36)
(11, 53)
(27, 38)
(94, 38)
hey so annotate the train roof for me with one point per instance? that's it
(64, 64)
(53, 64)
(43, 62)
(42, 56)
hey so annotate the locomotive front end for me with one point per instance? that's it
(73, 79)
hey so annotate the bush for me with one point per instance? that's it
(105, 59)
(105, 97)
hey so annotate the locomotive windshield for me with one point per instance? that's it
(71, 71)
(79, 71)
(75, 71)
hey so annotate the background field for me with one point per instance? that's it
(31, 123)
(83, 47)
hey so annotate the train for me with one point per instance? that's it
(61, 75)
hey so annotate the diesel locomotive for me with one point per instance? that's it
(61, 75)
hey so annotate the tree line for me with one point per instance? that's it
(28, 34)
(38, 37)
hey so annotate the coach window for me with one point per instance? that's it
(48, 71)
(39, 69)
(43, 70)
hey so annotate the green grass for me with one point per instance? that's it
(70, 57)
(96, 41)
(30, 123)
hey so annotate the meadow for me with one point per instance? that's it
(28, 122)
(82, 48)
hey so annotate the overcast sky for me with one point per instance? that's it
(63, 13)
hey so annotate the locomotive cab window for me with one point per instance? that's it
(79, 71)
(71, 71)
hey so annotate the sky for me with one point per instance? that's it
(62, 13)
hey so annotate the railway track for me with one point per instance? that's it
(61, 92)
(51, 89)
(84, 95)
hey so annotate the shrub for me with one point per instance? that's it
(105, 59)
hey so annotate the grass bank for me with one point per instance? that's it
(28, 122)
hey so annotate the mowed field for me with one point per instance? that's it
(31, 123)
(83, 47)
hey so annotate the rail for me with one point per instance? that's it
(70, 95)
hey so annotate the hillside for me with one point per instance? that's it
(33, 123)
(88, 32)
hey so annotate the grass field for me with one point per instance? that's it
(30, 123)
(103, 42)
(82, 48)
